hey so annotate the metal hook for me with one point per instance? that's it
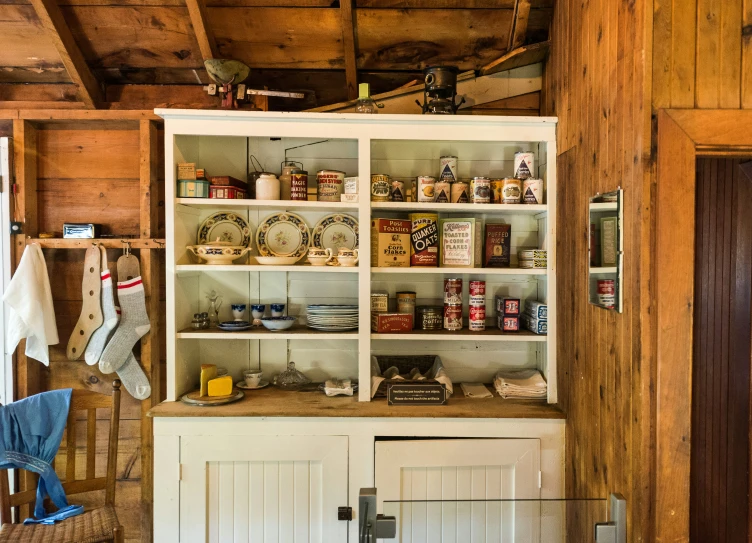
(126, 247)
(160, 244)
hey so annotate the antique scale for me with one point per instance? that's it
(228, 77)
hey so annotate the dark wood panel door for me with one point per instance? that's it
(720, 472)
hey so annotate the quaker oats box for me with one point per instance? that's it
(390, 243)
(460, 243)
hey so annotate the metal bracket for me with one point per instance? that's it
(371, 526)
(615, 530)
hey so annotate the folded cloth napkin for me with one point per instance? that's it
(31, 313)
(30, 434)
(338, 387)
(524, 384)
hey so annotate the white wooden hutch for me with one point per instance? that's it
(276, 465)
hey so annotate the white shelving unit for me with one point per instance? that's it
(399, 145)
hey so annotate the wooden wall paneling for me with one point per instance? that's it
(730, 59)
(746, 76)
(57, 29)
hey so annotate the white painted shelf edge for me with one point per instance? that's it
(181, 268)
(274, 204)
(416, 336)
(263, 334)
(603, 271)
(465, 271)
(604, 206)
(516, 209)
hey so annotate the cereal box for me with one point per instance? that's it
(390, 243)
(459, 243)
(497, 246)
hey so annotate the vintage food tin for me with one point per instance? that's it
(480, 190)
(537, 310)
(460, 192)
(351, 185)
(384, 323)
(448, 168)
(379, 302)
(532, 191)
(478, 288)
(606, 290)
(452, 317)
(424, 239)
(443, 192)
(497, 246)
(532, 254)
(459, 243)
(509, 324)
(512, 306)
(497, 191)
(536, 326)
(609, 241)
(524, 164)
(329, 185)
(193, 189)
(398, 191)
(380, 187)
(225, 192)
(187, 171)
(406, 303)
(511, 192)
(390, 243)
(429, 317)
(299, 186)
(425, 188)
(477, 320)
(453, 291)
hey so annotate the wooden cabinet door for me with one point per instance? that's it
(461, 469)
(266, 489)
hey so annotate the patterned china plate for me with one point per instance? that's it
(335, 231)
(283, 234)
(228, 227)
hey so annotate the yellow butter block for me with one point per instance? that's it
(208, 372)
(221, 386)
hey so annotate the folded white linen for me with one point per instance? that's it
(526, 384)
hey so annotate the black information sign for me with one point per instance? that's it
(404, 394)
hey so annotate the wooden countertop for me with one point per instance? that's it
(272, 402)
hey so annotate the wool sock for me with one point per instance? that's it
(134, 379)
(102, 334)
(134, 324)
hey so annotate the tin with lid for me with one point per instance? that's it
(480, 190)
(329, 185)
(429, 317)
(380, 187)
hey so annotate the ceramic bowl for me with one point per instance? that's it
(278, 323)
(218, 252)
(347, 261)
(277, 260)
(319, 260)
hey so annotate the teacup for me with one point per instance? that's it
(238, 311)
(347, 257)
(252, 378)
(257, 311)
(278, 310)
(319, 257)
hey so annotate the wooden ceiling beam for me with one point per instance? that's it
(521, 56)
(204, 34)
(521, 16)
(349, 42)
(89, 90)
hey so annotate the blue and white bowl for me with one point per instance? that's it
(275, 324)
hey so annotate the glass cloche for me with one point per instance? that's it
(291, 379)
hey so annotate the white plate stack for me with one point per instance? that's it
(332, 318)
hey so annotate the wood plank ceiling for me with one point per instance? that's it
(83, 52)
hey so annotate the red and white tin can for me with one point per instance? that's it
(606, 290)
(452, 317)
(453, 291)
(477, 288)
(477, 321)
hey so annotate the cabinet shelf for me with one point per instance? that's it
(296, 332)
(464, 271)
(604, 206)
(511, 209)
(184, 268)
(489, 334)
(260, 204)
(603, 271)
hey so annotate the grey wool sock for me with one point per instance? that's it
(134, 378)
(134, 324)
(102, 334)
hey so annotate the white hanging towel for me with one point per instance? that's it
(31, 314)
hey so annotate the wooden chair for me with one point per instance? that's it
(95, 526)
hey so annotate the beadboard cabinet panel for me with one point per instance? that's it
(418, 472)
(263, 489)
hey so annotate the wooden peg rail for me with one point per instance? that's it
(107, 243)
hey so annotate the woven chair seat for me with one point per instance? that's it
(93, 526)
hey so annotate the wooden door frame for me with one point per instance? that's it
(683, 136)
